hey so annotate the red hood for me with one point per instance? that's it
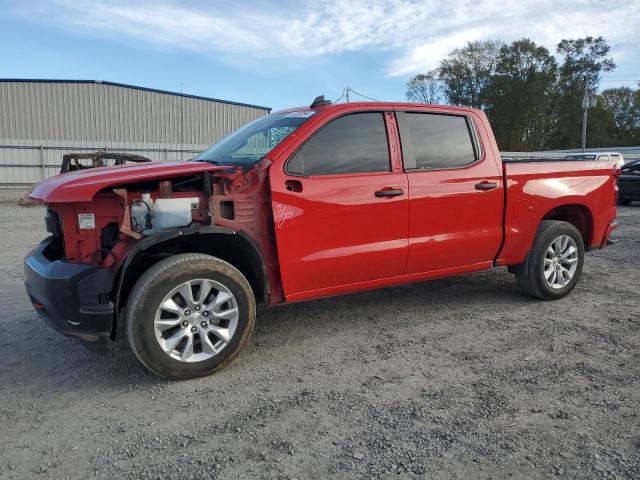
(82, 185)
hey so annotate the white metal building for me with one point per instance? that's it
(41, 120)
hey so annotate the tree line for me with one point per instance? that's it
(533, 101)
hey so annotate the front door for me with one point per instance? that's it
(340, 212)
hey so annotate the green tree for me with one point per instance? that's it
(519, 97)
(583, 61)
(532, 102)
(467, 71)
(623, 104)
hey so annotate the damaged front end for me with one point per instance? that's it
(108, 224)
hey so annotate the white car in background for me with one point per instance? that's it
(597, 156)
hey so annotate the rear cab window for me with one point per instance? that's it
(353, 143)
(432, 141)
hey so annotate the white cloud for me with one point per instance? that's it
(414, 34)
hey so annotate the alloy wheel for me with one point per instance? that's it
(560, 261)
(196, 320)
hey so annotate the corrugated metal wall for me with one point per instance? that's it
(42, 120)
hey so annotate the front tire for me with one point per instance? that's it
(554, 264)
(189, 315)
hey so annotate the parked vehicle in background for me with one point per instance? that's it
(301, 204)
(598, 156)
(72, 162)
(629, 183)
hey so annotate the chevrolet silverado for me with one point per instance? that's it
(301, 204)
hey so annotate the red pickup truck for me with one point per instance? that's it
(301, 204)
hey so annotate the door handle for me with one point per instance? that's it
(486, 186)
(389, 192)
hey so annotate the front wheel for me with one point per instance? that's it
(189, 315)
(554, 264)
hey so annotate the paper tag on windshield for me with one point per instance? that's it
(303, 114)
(86, 221)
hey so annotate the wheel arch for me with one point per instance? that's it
(576, 214)
(233, 247)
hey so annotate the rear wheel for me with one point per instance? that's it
(189, 315)
(554, 264)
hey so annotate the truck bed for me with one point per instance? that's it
(538, 189)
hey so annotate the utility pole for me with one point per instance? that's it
(585, 109)
(346, 92)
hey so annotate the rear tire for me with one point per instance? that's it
(189, 315)
(554, 264)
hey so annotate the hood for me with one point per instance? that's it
(82, 185)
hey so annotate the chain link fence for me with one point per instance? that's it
(629, 153)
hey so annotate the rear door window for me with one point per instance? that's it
(355, 143)
(436, 141)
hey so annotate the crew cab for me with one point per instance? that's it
(301, 204)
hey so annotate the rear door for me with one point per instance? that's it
(340, 209)
(455, 192)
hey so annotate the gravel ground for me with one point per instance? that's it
(457, 378)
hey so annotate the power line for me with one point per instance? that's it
(347, 90)
(363, 96)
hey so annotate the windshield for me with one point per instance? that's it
(246, 146)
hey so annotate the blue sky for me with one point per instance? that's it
(284, 53)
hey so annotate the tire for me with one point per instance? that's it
(623, 201)
(159, 311)
(532, 274)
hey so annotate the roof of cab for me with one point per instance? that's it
(381, 105)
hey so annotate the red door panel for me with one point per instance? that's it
(336, 230)
(451, 223)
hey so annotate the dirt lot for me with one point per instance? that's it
(459, 378)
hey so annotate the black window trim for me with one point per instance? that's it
(386, 130)
(408, 153)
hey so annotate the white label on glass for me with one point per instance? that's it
(86, 221)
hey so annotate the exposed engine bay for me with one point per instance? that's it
(123, 218)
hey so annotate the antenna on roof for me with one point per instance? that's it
(320, 101)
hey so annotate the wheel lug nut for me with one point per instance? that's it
(193, 329)
(205, 314)
(187, 312)
(203, 324)
(185, 323)
(197, 308)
